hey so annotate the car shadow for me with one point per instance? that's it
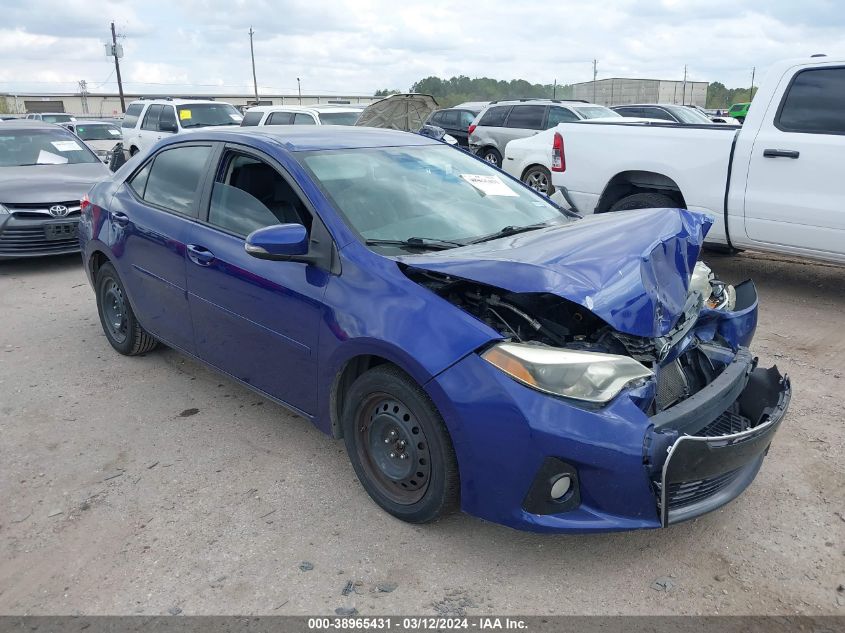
(40, 265)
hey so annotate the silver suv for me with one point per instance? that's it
(503, 121)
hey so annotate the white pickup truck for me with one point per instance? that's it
(777, 184)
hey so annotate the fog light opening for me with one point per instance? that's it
(561, 487)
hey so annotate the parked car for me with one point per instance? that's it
(455, 122)
(301, 115)
(715, 116)
(44, 172)
(99, 136)
(8, 117)
(474, 344)
(51, 117)
(149, 120)
(664, 112)
(772, 185)
(503, 121)
(739, 111)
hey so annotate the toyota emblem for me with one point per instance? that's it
(58, 210)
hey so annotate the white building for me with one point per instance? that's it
(619, 91)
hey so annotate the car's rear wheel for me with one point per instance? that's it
(121, 327)
(399, 446)
(645, 200)
(492, 156)
(540, 179)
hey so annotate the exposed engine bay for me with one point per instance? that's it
(681, 361)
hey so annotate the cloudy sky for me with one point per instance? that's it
(358, 46)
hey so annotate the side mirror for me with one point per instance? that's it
(167, 126)
(280, 242)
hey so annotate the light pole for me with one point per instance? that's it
(252, 54)
(299, 90)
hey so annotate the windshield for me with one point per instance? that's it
(688, 115)
(57, 118)
(595, 112)
(425, 192)
(205, 114)
(339, 118)
(42, 147)
(98, 132)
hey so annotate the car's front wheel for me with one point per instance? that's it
(492, 156)
(399, 446)
(116, 316)
(540, 179)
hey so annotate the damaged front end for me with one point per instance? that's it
(711, 411)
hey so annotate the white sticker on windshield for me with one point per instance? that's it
(49, 158)
(66, 146)
(489, 185)
(114, 132)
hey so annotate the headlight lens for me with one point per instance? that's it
(587, 376)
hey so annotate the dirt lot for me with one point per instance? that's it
(153, 485)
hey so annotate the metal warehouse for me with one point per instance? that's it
(108, 104)
(618, 91)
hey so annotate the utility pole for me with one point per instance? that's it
(595, 74)
(299, 90)
(554, 90)
(751, 92)
(117, 68)
(252, 55)
(684, 95)
(83, 94)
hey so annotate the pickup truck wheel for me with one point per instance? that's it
(647, 200)
(399, 446)
(539, 179)
(492, 156)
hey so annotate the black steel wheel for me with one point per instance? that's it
(399, 446)
(121, 327)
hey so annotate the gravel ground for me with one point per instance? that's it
(153, 485)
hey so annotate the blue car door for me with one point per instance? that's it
(150, 217)
(255, 319)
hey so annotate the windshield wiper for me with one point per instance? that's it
(426, 243)
(508, 231)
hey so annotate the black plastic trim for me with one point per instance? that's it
(539, 501)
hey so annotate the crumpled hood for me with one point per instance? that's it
(49, 183)
(632, 268)
(406, 112)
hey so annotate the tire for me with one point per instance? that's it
(132, 151)
(646, 200)
(116, 316)
(388, 415)
(539, 179)
(492, 156)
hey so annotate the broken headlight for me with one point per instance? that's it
(581, 375)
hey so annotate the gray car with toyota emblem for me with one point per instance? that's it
(44, 172)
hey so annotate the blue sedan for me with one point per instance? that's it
(475, 345)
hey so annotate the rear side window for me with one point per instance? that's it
(168, 115)
(815, 102)
(560, 115)
(450, 118)
(151, 118)
(251, 118)
(467, 118)
(495, 116)
(529, 117)
(139, 180)
(280, 118)
(132, 114)
(657, 113)
(174, 179)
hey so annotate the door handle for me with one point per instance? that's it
(780, 153)
(120, 218)
(200, 255)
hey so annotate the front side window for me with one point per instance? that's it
(250, 195)
(132, 114)
(450, 118)
(280, 118)
(21, 147)
(527, 117)
(815, 102)
(175, 177)
(495, 116)
(432, 192)
(302, 118)
(167, 119)
(339, 118)
(151, 118)
(467, 118)
(197, 115)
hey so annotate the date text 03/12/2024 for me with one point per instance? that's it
(416, 623)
